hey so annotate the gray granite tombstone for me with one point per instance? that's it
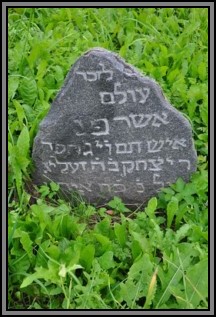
(110, 132)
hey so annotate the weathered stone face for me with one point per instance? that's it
(110, 131)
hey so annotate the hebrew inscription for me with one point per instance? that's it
(110, 131)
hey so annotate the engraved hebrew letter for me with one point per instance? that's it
(104, 187)
(185, 161)
(89, 152)
(49, 144)
(70, 147)
(155, 181)
(105, 129)
(91, 76)
(95, 163)
(169, 141)
(137, 120)
(64, 184)
(140, 188)
(80, 127)
(48, 165)
(74, 167)
(86, 187)
(121, 148)
(159, 118)
(177, 143)
(60, 148)
(121, 93)
(110, 72)
(115, 168)
(133, 144)
(138, 162)
(64, 169)
(83, 74)
(145, 95)
(73, 185)
(170, 161)
(119, 188)
(127, 169)
(123, 118)
(155, 164)
(107, 98)
(109, 146)
(47, 168)
(83, 164)
(98, 144)
(132, 93)
(154, 146)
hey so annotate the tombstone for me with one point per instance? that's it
(110, 132)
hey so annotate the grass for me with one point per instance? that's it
(70, 255)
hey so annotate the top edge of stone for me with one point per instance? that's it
(128, 68)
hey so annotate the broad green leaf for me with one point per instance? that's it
(42, 69)
(172, 208)
(172, 75)
(34, 54)
(70, 228)
(28, 90)
(27, 243)
(142, 264)
(104, 241)
(202, 70)
(23, 142)
(118, 205)
(87, 256)
(54, 252)
(182, 232)
(14, 156)
(54, 186)
(59, 75)
(189, 190)
(198, 234)
(20, 112)
(22, 162)
(42, 216)
(197, 283)
(44, 190)
(136, 249)
(143, 241)
(128, 291)
(28, 280)
(55, 291)
(151, 207)
(204, 113)
(195, 93)
(179, 186)
(121, 234)
(183, 208)
(13, 83)
(106, 260)
(104, 227)
(50, 274)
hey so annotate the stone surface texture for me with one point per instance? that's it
(111, 132)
